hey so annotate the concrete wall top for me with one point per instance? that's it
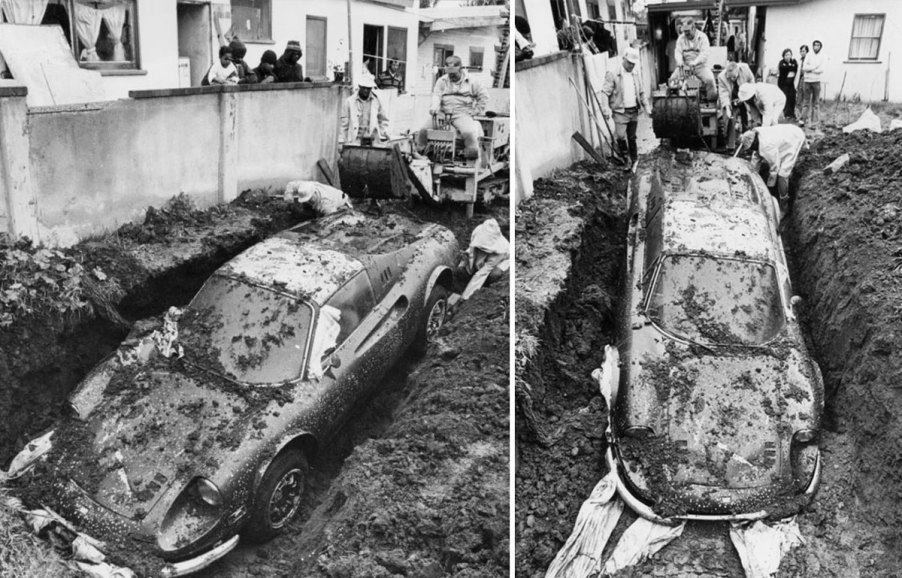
(834, 20)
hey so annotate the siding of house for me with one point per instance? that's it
(831, 23)
(421, 79)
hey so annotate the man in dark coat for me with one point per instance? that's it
(265, 72)
(245, 72)
(287, 68)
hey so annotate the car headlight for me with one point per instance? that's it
(804, 436)
(208, 492)
(639, 432)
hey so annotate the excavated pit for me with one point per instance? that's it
(844, 243)
(163, 263)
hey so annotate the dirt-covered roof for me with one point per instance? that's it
(722, 226)
(285, 263)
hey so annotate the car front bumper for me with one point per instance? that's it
(644, 510)
(192, 565)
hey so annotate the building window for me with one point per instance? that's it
(316, 48)
(867, 29)
(103, 35)
(383, 44)
(252, 20)
(476, 58)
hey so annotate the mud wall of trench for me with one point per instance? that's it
(845, 241)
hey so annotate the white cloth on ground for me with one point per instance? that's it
(761, 547)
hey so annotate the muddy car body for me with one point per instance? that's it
(717, 405)
(279, 346)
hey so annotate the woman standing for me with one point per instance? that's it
(800, 97)
(788, 69)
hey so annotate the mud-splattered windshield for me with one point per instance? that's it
(716, 300)
(244, 332)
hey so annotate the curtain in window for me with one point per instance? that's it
(866, 33)
(87, 25)
(24, 11)
(114, 17)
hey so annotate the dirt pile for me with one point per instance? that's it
(564, 319)
(846, 239)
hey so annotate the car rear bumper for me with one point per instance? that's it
(644, 510)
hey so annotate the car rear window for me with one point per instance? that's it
(715, 300)
(245, 332)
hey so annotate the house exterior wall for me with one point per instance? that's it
(541, 24)
(834, 29)
(421, 79)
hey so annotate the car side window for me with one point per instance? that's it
(355, 301)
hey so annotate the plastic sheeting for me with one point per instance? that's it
(581, 554)
(642, 539)
(867, 121)
(762, 547)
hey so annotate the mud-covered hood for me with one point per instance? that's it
(165, 426)
(721, 415)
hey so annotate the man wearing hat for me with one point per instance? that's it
(691, 56)
(362, 115)
(626, 97)
(461, 97)
(265, 71)
(287, 68)
(246, 74)
(766, 99)
(323, 199)
(778, 146)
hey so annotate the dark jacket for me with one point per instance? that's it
(784, 68)
(246, 74)
(263, 75)
(286, 72)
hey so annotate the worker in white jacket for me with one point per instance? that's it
(766, 98)
(323, 199)
(488, 256)
(779, 147)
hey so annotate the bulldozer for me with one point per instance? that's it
(393, 169)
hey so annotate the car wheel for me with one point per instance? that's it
(279, 497)
(433, 318)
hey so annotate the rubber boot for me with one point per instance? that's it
(625, 152)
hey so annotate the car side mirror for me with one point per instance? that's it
(795, 303)
(335, 362)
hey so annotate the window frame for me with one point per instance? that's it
(351, 285)
(233, 32)
(476, 50)
(852, 37)
(106, 67)
(327, 73)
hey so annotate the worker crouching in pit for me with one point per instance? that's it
(626, 97)
(778, 147)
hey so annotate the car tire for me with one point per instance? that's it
(279, 496)
(434, 315)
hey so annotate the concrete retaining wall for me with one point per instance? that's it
(548, 113)
(93, 167)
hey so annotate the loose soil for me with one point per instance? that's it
(436, 440)
(843, 241)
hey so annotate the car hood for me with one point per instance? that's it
(723, 416)
(164, 427)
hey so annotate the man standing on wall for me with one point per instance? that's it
(626, 97)
(363, 116)
(457, 95)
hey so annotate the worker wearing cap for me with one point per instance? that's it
(488, 257)
(766, 99)
(778, 146)
(362, 115)
(457, 95)
(323, 199)
(287, 68)
(691, 56)
(625, 97)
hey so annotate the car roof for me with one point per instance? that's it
(717, 207)
(354, 233)
(288, 264)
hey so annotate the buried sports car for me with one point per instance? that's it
(200, 426)
(716, 401)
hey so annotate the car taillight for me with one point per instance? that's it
(804, 436)
(208, 492)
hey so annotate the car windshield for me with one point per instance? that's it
(246, 333)
(716, 300)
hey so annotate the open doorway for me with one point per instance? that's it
(195, 37)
